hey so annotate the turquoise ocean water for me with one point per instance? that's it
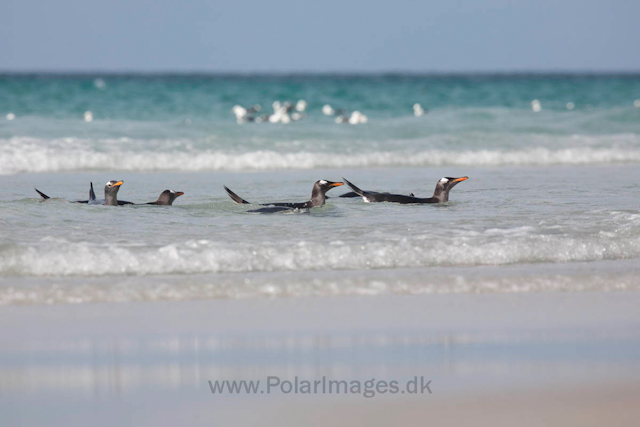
(553, 185)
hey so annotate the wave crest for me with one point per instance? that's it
(58, 257)
(20, 155)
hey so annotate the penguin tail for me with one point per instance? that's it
(237, 199)
(355, 189)
(44, 196)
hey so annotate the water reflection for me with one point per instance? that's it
(181, 362)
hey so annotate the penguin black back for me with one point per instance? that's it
(440, 195)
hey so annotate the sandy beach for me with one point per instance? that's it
(536, 358)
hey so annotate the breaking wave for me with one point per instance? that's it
(59, 257)
(20, 155)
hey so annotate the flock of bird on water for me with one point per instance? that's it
(287, 112)
(318, 196)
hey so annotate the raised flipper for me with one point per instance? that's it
(44, 196)
(92, 195)
(355, 189)
(239, 200)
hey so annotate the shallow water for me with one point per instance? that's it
(499, 217)
(546, 189)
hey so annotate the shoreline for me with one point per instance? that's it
(592, 276)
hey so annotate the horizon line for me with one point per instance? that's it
(343, 73)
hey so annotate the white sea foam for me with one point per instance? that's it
(18, 155)
(75, 287)
(539, 278)
(58, 257)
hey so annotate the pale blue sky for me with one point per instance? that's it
(319, 36)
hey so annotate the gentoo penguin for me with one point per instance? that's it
(166, 198)
(440, 195)
(318, 197)
(110, 195)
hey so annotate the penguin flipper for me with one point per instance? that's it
(355, 189)
(92, 195)
(237, 199)
(44, 196)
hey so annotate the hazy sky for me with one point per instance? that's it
(321, 35)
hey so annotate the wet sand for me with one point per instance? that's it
(494, 359)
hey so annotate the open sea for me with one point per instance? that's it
(552, 202)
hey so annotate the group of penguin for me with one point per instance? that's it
(318, 196)
(111, 188)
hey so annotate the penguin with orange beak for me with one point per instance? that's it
(318, 197)
(166, 198)
(440, 195)
(110, 195)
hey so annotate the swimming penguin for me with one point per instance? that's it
(166, 198)
(440, 195)
(110, 195)
(318, 197)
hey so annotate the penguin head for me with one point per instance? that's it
(445, 185)
(112, 187)
(320, 188)
(323, 185)
(168, 196)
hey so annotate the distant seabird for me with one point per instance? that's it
(301, 105)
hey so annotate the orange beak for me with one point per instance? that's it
(336, 184)
(118, 184)
(464, 178)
